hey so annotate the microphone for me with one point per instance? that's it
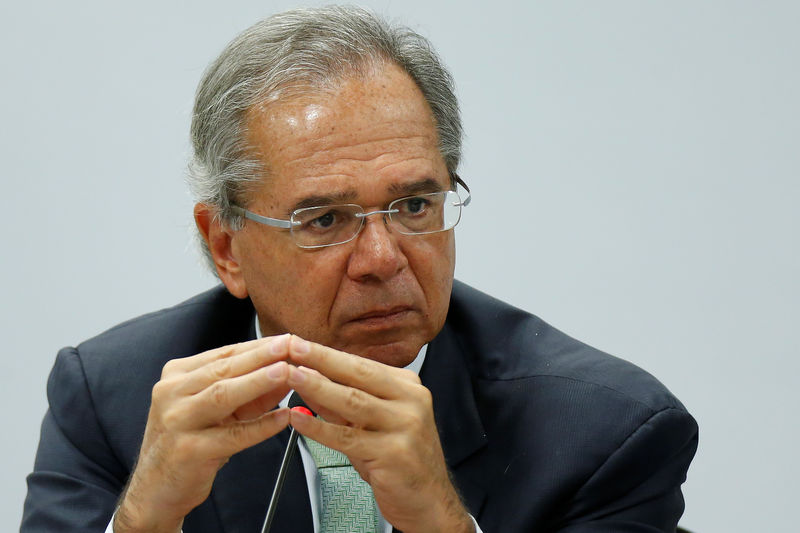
(295, 403)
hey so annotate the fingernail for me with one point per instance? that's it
(300, 346)
(278, 344)
(277, 370)
(281, 415)
(297, 376)
(299, 418)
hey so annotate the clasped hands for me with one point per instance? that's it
(210, 406)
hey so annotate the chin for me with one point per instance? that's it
(398, 354)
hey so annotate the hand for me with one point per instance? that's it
(204, 409)
(381, 417)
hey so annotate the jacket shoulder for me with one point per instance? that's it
(212, 318)
(505, 343)
(130, 355)
(593, 437)
(114, 372)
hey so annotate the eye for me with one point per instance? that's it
(324, 221)
(414, 206)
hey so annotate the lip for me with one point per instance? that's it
(382, 317)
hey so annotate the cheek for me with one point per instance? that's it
(448, 266)
(290, 277)
(434, 263)
(443, 253)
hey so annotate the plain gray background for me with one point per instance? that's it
(634, 168)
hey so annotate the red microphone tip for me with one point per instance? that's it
(304, 410)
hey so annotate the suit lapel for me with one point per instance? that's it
(243, 488)
(446, 374)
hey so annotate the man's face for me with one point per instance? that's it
(370, 141)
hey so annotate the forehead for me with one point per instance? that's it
(365, 132)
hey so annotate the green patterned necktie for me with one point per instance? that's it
(348, 505)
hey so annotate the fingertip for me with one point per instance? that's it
(281, 416)
(279, 345)
(300, 417)
(279, 370)
(299, 346)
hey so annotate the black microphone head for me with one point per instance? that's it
(296, 401)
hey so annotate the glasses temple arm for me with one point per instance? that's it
(459, 181)
(267, 221)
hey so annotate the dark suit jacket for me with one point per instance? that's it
(541, 432)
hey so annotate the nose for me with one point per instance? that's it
(377, 254)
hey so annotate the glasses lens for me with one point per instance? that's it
(325, 225)
(426, 213)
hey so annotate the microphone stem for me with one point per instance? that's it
(273, 502)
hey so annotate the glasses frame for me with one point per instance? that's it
(289, 224)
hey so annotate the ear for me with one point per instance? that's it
(219, 239)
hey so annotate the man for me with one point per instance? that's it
(326, 145)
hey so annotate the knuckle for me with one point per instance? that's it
(409, 375)
(423, 397)
(247, 433)
(159, 392)
(221, 368)
(237, 432)
(170, 367)
(227, 351)
(355, 400)
(218, 393)
(348, 437)
(364, 370)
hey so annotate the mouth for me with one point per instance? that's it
(383, 317)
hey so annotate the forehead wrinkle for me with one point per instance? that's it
(427, 166)
(362, 150)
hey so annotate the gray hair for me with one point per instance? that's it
(299, 51)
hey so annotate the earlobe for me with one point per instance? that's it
(219, 239)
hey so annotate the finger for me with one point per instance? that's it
(312, 401)
(187, 364)
(338, 403)
(375, 378)
(233, 365)
(356, 443)
(228, 439)
(261, 405)
(222, 398)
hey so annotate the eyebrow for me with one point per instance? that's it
(316, 200)
(422, 186)
(417, 187)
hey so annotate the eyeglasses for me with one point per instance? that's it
(329, 225)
